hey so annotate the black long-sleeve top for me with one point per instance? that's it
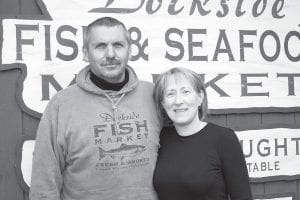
(208, 165)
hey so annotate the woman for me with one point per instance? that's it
(197, 160)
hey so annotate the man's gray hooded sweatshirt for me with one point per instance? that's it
(95, 144)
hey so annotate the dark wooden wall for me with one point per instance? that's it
(17, 123)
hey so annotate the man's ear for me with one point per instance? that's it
(85, 54)
(129, 52)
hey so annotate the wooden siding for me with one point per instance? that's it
(10, 133)
(15, 123)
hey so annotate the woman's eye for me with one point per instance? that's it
(171, 94)
(186, 92)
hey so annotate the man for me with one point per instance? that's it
(98, 139)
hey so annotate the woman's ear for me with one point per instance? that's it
(201, 96)
(85, 54)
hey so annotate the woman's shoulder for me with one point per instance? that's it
(167, 131)
(224, 134)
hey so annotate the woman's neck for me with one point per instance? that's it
(190, 129)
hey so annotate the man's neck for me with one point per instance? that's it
(105, 85)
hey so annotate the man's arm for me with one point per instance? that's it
(46, 177)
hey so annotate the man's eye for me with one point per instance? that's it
(101, 46)
(118, 45)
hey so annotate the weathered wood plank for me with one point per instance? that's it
(30, 7)
(282, 187)
(11, 131)
(278, 118)
(297, 118)
(244, 121)
(298, 189)
(30, 125)
(217, 119)
(9, 7)
(257, 188)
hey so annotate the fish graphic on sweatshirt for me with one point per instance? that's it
(121, 152)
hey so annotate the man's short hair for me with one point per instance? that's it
(106, 22)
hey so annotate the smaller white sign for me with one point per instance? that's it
(280, 198)
(271, 152)
(26, 163)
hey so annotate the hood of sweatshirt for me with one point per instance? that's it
(83, 81)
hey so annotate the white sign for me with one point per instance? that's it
(271, 152)
(279, 198)
(248, 50)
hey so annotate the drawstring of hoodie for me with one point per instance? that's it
(114, 106)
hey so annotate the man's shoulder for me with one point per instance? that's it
(66, 93)
(146, 84)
